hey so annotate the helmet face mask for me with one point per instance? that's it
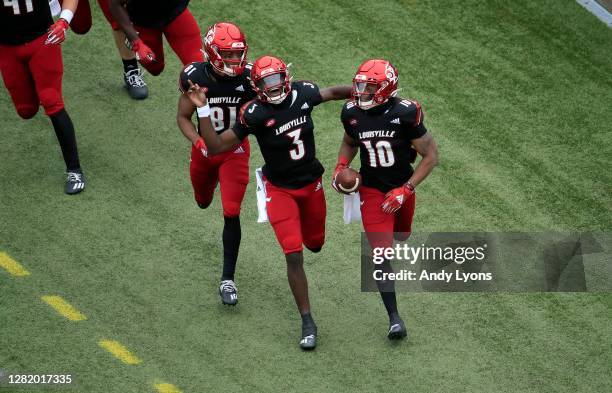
(270, 79)
(273, 86)
(364, 94)
(226, 49)
(233, 61)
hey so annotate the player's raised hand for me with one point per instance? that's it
(143, 53)
(395, 198)
(197, 94)
(57, 32)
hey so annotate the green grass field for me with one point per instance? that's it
(518, 95)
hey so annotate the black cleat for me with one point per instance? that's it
(397, 329)
(309, 337)
(135, 85)
(75, 182)
(228, 293)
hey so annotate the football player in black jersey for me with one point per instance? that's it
(32, 70)
(386, 130)
(146, 22)
(280, 118)
(225, 76)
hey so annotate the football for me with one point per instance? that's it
(348, 180)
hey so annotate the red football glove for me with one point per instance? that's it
(57, 32)
(342, 164)
(144, 54)
(200, 144)
(395, 198)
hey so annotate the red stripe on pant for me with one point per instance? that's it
(32, 73)
(297, 216)
(380, 226)
(230, 170)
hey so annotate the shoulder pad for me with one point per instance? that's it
(410, 111)
(348, 108)
(193, 72)
(249, 113)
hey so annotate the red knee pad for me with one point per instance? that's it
(290, 243)
(27, 111)
(231, 209)
(51, 100)
(155, 68)
(315, 242)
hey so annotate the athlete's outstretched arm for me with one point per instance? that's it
(427, 148)
(215, 143)
(336, 93)
(117, 9)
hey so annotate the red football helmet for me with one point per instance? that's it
(270, 79)
(375, 82)
(225, 48)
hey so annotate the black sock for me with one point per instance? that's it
(64, 130)
(308, 325)
(129, 65)
(387, 290)
(231, 244)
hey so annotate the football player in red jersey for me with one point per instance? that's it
(146, 22)
(386, 130)
(32, 69)
(225, 76)
(281, 120)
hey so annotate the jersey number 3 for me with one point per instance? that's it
(15, 5)
(299, 151)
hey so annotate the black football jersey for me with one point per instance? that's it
(22, 21)
(285, 133)
(226, 95)
(155, 14)
(385, 135)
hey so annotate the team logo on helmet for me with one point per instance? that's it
(210, 35)
(391, 75)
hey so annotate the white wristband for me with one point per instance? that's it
(66, 15)
(204, 111)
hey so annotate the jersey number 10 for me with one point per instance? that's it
(381, 154)
(15, 5)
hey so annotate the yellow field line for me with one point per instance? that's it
(12, 266)
(166, 388)
(64, 308)
(119, 351)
